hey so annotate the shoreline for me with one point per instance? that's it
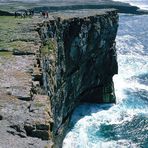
(121, 8)
(142, 6)
(54, 7)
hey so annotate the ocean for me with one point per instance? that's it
(124, 124)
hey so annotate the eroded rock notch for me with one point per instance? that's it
(78, 60)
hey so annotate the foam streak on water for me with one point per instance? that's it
(124, 125)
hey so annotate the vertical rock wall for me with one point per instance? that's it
(78, 61)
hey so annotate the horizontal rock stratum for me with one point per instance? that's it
(68, 58)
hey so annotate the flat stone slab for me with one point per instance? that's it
(24, 117)
(15, 78)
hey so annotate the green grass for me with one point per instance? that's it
(44, 50)
(50, 46)
(5, 53)
(11, 32)
(11, 23)
(39, 104)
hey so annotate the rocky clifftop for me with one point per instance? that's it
(49, 66)
(78, 62)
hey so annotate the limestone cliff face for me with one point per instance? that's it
(78, 62)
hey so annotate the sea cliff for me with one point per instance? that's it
(78, 59)
(56, 64)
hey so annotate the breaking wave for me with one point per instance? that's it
(124, 124)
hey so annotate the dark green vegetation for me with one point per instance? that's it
(15, 35)
(24, 113)
(69, 5)
(5, 13)
(49, 47)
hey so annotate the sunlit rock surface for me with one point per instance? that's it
(25, 113)
(48, 66)
(81, 64)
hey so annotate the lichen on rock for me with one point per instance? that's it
(48, 67)
(82, 66)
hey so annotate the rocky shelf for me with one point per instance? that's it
(25, 112)
(49, 66)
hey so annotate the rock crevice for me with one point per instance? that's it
(54, 65)
(78, 57)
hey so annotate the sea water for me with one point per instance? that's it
(124, 124)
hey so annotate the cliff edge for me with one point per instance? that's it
(48, 67)
(78, 58)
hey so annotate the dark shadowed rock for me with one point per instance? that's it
(1, 117)
(5, 13)
(73, 61)
(79, 60)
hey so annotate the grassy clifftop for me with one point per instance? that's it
(15, 34)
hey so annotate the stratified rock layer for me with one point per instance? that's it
(47, 67)
(25, 112)
(78, 62)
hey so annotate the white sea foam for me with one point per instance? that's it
(78, 137)
(88, 119)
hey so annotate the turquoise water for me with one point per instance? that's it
(124, 125)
